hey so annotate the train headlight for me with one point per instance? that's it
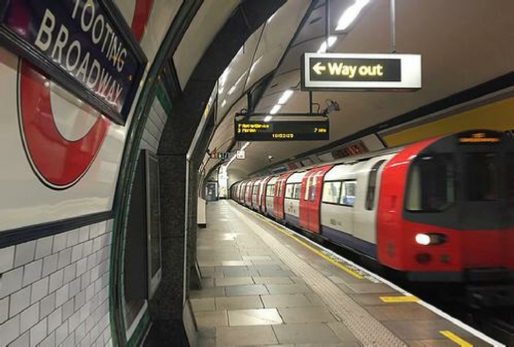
(430, 239)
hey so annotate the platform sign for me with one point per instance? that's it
(361, 72)
(85, 45)
(291, 127)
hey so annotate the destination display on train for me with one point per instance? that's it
(360, 72)
(295, 129)
(84, 45)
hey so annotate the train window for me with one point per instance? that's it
(331, 192)
(482, 176)
(372, 185)
(289, 191)
(296, 193)
(312, 190)
(348, 193)
(270, 190)
(307, 188)
(431, 186)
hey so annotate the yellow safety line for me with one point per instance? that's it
(455, 338)
(331, 261)
(403, 298)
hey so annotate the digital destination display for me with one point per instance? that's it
(282, 128)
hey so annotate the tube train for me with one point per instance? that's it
(438, 210)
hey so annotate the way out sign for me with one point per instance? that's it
(361, 72)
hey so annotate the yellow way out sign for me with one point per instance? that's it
(336, 71)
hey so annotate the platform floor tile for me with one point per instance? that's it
(253, 289)
(211, 319)
(286, 300)
(273, 280)
(238, 302)
(288, 288)
(233, 281)
(206, 304)
(306, 314)
(305, 333)
(254, 317)
(245, 336)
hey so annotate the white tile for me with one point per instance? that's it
(46, 306)
(70, 273)
(88, 248)
(85, 280)
(50, 264)
(91, 261)
(56, 280)
(39, 290)
(74, 287)
(70, 341)
(38, 333)
(68, 309)
(76, 252)
(44, 247)
(24, 253)
(32, 272)
(4, 309)
(84, 234)
(80, 299)
(9, 331)
(74, 321)
(97, 243)
(19, 301)
(49, 341)
(73, 238)
(80, 332)
(59, 242)
(29, 317)
(22, 341)
(94, 231)
(64, 258)
(61, 333)
(81, 266)
(10, 282)
(6, 259)
(55, 320)
(61, 296)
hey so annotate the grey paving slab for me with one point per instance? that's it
(368, 299)
(402, 312)
(342, 332)
(256, 257)
(297, 280)
(423, 329)
(253, 289)
(305, 333)
(206, 304)
(207, 293)
(254, 317)
(245, 336)
(211, 319)
(233, 281)
(276, 273)
(273, 280)
(288, 288)
(207, 282)
(238, 302)
(286, 300)
(306, 314)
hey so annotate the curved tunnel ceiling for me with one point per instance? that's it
(463, 43)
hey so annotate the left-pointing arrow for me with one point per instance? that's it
(318, 68)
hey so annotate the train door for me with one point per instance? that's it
(262, 194)
(211, 191)
(278, 204)
(313, 201)
(270, 197)
(255, 194)
(305, 199)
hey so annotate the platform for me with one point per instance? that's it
(266, 286)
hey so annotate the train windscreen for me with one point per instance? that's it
(482, 176)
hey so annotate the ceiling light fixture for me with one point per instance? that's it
(323, 47)
(351, 13)
(223, 103)
(275, 109)
(283, 99)
(268, 118)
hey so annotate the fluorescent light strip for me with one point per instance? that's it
(275, 109)
(283, 99)
(268, 118)
(323, 47)
(351, 13)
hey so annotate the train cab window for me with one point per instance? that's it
(348, 193)
(372, 185)
(289, 191)
(482, 176)
(331, 192)
(431, 185)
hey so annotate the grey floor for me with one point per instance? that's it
(257, 295)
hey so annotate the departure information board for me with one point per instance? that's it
(290, 127)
